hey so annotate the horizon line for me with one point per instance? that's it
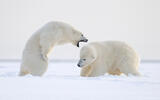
(72, 60)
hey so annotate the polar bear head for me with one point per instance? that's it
(72, 35)
(87, 56)
(76, 37)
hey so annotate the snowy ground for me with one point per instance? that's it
(62, 82)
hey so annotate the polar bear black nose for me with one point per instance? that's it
(78, 65)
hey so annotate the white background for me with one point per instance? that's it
(134, 21)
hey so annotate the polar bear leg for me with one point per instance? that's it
(46, 46)
(136, 73)
(35, 66)
(129, 69)
(96, 72)
(44, 50)
(39, 68)
(114, 72)
(85, 71)
(40, 71)
(37, 73)
(23, 71)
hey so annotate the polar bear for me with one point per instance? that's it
(37, 48)
(112, 57)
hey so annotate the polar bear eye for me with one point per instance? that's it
(84, 59)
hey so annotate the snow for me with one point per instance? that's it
(62, 82)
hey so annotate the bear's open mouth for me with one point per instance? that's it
(85, 40)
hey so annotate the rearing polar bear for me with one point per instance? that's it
(35, 54)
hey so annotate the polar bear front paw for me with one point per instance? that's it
(44, 57)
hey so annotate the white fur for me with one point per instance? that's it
(35, 54)
(111, 57)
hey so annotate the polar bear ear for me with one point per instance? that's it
(93, 59)
(94, 56)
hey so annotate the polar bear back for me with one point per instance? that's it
(115, 50)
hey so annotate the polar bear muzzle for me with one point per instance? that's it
(83, 39)
(80, 62)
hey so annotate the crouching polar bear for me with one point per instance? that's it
(35, 54)
(111, 57)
